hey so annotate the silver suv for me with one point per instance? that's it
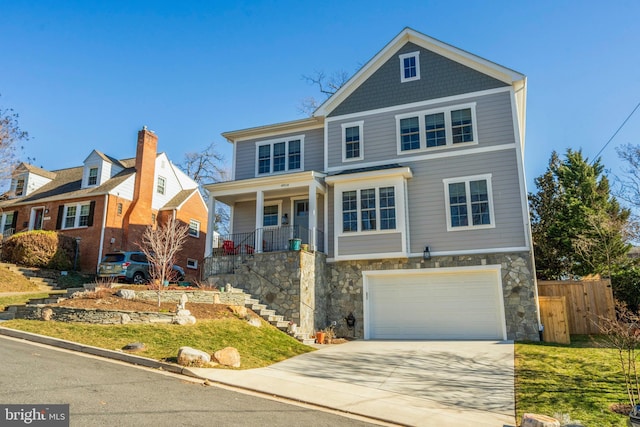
(132, 267)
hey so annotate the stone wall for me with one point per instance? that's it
(518, 284)
(72, 314)
(206, 297)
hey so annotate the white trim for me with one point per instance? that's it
(380, 255)
(194, 262)
(104, 226)
(473, 251)
(233, 164)
(430, 156)
(164, 185)
(197, 223)
(360, 126)
(421, 115)
(32, 218)
(404, 56)
(419, 104)
(272, 143)
(524, 202)
(366, 275)
(268, 203)
(466, 180)
(76, 220)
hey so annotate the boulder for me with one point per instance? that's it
(185, 319)
(188, 356)
(537, 420)
(46, 314)
(239, 311)
(134, 346)
(228, 356)
(125, 318)
(254, 321)
(126, 293)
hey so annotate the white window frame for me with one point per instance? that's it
(97, 176)
(466, 180)
(360, 126)
(164, 185)
(267, 204)
(197, 228)
(4, 224)
(271, 143)
(24, 186)
(192, 263)
(358, 191)
(447, 124)
(76, 222)
(404, 56)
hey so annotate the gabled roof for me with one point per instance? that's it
(109, 159)
(177, 200)
(407, 35)
(36, 170)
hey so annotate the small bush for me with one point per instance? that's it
(39, 248)
(626, 287)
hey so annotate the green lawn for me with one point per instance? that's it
(18, 299)
(258, 347)
(580, 380)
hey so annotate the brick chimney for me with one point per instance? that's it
(139, 213)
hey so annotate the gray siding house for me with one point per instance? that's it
(407, 191)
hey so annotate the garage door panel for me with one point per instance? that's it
(436, 306)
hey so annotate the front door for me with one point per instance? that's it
(301, 219)
(36, 217)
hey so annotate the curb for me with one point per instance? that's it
(97, 351)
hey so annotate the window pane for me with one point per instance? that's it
(84, 216)
(368, 208)
(458, 204)
(352, 142)
(194, 228)
(161, 185)
(279, 157)
(264, 159)
(294, 154)
(436, 135)
(409, 67)
(8, 220)
(461, 127)
(349, 211)
(70, 218)
(409, 134)
(479, 202)
(387, 208)
(93, 176)
(270, 216)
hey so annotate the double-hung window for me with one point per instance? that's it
(410, 66)
(20, 187)
(469, 202)
(270, 215)
(162, 185)
(75, 216)
(352, 148)
(93, 176)
(425, 130)
(194, 228)
(279, 156)
(369, 209)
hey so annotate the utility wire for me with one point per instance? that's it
(614, 135)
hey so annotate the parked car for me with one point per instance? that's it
(132, 267)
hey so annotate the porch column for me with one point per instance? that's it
(313, 216)
(259, 213)
(211, 220)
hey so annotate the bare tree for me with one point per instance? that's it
(10, 137)
(161, 245)
(327, 85)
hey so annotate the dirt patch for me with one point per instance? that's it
(108, 301)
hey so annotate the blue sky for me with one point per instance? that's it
(90, 74)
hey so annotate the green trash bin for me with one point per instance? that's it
(294, 244)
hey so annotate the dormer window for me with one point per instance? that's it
(20, 187)
(410, 67)
(93, 176)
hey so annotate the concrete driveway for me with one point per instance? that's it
(418, 383)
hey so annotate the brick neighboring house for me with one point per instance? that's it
(107, 203)
(408, 187)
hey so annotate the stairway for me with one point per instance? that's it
(44, 284)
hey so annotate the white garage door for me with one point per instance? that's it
(447, 304)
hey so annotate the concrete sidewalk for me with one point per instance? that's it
(415, 383)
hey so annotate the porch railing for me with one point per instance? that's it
(232, 249)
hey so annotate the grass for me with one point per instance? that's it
(18, 299)
(14, 282)
(258, 347)
(581, 381)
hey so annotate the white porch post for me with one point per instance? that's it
(313, 216)
(259, 212)
(211, 219)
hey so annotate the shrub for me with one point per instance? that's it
(40, 248)
(626, 286)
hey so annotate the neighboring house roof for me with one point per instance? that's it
(178, 199)
(36, 170)
(109, 159)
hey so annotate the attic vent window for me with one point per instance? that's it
(410, 67)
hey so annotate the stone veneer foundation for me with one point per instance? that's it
(306, 289)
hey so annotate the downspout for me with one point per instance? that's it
(104, 226)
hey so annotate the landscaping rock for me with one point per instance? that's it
(228, 356)
(188, 356)
(254, 321)
(537, 420)
(46, 314)
(184, 317)
(134, 346)
(126, 293)
(125, 318)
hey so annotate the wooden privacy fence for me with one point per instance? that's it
(553, 315)
(586, 300)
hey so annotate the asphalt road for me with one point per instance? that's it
(106, 393)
